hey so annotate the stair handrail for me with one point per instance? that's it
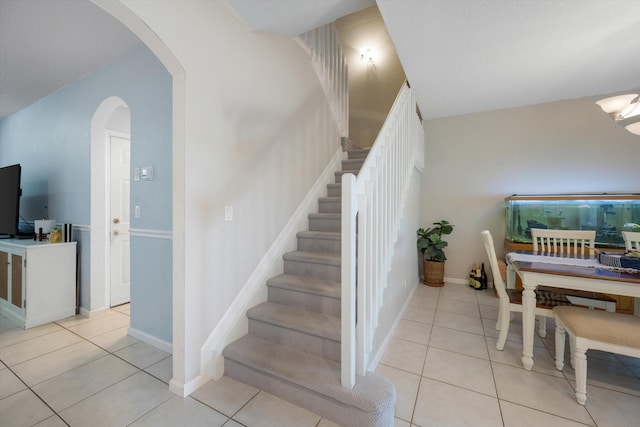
(376, 198)
(330, 64)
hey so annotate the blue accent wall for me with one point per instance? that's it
(51, 140)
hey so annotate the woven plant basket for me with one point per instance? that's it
(433, 273)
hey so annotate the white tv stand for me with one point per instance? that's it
(37, 281)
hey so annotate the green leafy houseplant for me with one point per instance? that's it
(430, 241)
(432, 247)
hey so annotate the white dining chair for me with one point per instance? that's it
(631, 240)
(511, 299)
(576, 242)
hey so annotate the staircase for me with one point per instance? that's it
(292, 349)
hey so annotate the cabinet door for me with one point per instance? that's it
(16, 280)
(4, 275)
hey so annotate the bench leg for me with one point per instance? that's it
(542, 326)
(560, 339)
(581, 375)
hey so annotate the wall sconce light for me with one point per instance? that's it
(366, 55)
(624, 110)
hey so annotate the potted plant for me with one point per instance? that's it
(432, 246)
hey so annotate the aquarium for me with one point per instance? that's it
(607, 214)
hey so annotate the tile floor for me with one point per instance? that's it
(442, 360)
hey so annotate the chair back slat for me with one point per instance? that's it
(558, 241)
(498, 283)
(631, 240)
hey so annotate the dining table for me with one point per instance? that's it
(563, 271)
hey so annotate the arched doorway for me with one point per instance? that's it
(110, 126)
(130, 20)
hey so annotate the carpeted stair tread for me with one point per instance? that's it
(316, 375)
(308, 322)
(324, 215)
(310, 285)
(329, 235)
(329, 199)
(313, 257)
(358, 153)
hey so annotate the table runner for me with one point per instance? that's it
(551, 259)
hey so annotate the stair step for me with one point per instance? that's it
(304, 330)
(330, 204)
(325, 222)
(319, 241)
(311, 382)
(334, 190)
(359, 153)
(338, 174)
(313, 264)
(352, 164)
(321, 296)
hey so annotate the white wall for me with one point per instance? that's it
(473, 162)
(258, 132)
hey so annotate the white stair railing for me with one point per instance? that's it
(376, 198)
(330, 64)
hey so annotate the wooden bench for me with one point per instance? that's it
(593, 330)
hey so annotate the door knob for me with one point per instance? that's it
(116, 220)
(116, 233)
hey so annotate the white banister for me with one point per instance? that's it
(372, 206)
(323, 44)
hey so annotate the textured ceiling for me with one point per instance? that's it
(45, 45)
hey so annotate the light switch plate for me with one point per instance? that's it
(146, 173)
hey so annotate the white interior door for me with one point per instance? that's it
(119, 220)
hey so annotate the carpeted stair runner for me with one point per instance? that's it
(292, 349)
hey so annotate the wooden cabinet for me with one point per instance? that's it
(37, 281)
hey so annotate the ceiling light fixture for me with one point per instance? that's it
(366, 55)
(624, 109)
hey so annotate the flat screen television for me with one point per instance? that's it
(10, 193)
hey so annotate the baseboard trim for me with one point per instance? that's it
(233, 323)
(456, 281)
(93, 313)
(185, 389)
(151, 340)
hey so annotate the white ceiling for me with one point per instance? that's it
(45, 45)
(462, 56)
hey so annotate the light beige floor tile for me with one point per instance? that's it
(459, 322)
(25, 350)
(120, 404)
(267, 410)
(141, 354)
(424, 301)
(611, 408)
(9, 383)
(225, 395)
(232, 423)
(101, 325)
(49, 365)
(489, 312)
(178, 411)
(458, 369)
(520, 416)
(13, 336)
(430, 291)
(71, 387)
(405, 355)
(114, 340)
(23, 409)
(53, 421)
(419, 314)
(162, 370)
(6, 324)
(441, 404)
(458, 341)
(460, 307)
(406, 385)
(413, 331)
(459, 293)
(488, 298)
(606, 374)
(123, 308)
(400, 423)
(512, 355)
(543, 392)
